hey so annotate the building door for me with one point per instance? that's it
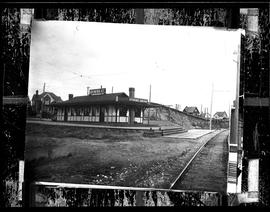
(65, 114)
(101, 115)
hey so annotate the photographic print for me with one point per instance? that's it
(131, 105)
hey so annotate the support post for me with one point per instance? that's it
(149, 107)
(139, 198)
(116, 111)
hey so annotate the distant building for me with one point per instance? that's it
(177, 107)
(101, 107)
(220, 115)
(205, 115)
(41, 102)
(192, 110)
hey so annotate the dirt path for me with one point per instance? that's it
(208, 171)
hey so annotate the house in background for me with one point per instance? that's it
(41, 102)
(205, 115)
(220, 115)
(192, 110)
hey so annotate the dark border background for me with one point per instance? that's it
(15, 67)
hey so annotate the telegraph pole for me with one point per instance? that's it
(150, 94)
(149, 104)
(212, 93)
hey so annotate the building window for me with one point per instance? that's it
(137, 112)
(77, 111)
(123, 111)
(112, 111)
(72, 111)
(47, 100)
(94, 111)
(86, 111)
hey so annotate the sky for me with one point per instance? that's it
(181, 63)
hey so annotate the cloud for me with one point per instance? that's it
(179, 62)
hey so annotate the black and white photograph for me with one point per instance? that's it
(135, 105)
(130, 105)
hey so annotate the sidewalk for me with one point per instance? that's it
(191, 134)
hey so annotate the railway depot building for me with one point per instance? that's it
(98, 106)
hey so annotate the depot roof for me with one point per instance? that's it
(104, 99)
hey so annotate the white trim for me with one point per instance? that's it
(73, 185)
(21, 179)
(47, 94)
(138, 119)
(253, 175)
(233, 157)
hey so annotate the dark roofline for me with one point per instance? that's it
(220, 113)
(105, 99)
(57, 98)
(193, 107)
(39, 96)
(190, 109)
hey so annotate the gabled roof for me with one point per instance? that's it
(221, 114)
(56, 98)
(190, 109)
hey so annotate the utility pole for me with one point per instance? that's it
(211, 105)
(150, 94)
(149, 104)
(42, 101)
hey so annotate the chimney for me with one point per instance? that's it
(132, 92)
(70, 96)
(37, 92)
